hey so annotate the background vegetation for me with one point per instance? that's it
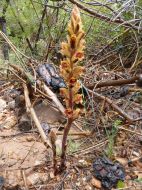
(38, 27)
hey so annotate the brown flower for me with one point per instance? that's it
(73, 41)
(78, 71)
(79, 55)
(69, 113)
(72, 81)
(64, 92)
(64, 64)
(78, 99)
(76, 113)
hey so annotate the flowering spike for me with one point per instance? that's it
(73, 50)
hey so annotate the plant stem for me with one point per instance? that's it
(64, 144)
(55, 168)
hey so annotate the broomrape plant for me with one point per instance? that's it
(73, 50)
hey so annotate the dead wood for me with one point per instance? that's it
(54, 98)
(31, 111)
(48, 93)
(130, 131)
(51, 96)
(53, 138)
(114, 82)
(114, 106)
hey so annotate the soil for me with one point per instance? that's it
(25, 163)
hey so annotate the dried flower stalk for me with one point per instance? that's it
(73, 50)
(52, 137)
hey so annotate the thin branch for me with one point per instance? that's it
(114, 106)
(31, 111)
(113, 82)
(103, 17)
(40, 26)
(22, 28)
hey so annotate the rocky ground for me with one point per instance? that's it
(25, 163)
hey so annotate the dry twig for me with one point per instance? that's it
(34, 116)
(103, 17)
(114, 82)
(52, 137)
(113, 105)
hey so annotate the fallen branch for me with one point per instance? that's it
(113, 82)
(114, 106)
(49, 94)
(34, 117)
(54, 99)
(91, 148)
(130, 131)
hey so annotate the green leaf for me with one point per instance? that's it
(120, 184)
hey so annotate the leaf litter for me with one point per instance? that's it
(24, 151)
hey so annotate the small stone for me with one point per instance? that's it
(1, 182)
(78, 184)
(2, 162)
(30, 139)
(76, 156)
(58, 178)
(88, 187)
(37, 163)
(12, 179)
(2, 105)
(68, 164)
(24, 123)
(34, 178)
(45, 177)
(84, 178)
(82, 163)
(134, 153)
(96, 183)
(10, 122)
(52, 175)
(11, 104)
(128, 177)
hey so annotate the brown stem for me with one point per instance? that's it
(64, 144)
(53, 140)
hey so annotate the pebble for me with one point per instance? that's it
(30, 139)
(96, 183)
(2, 105)
(11, 104)
(88, 187)
(52, 175)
